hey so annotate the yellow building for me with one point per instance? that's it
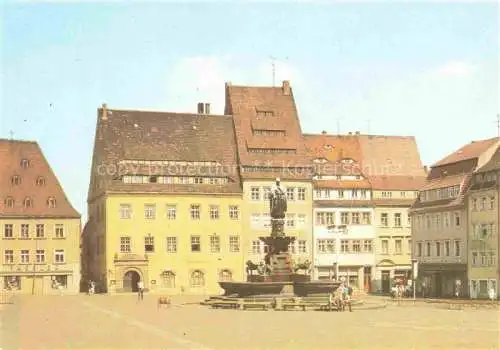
(39, 227)
(164, 203)
(484, 244)
(270, 145)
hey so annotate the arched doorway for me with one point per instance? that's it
(130, 280)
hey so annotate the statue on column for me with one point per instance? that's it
(278, 208)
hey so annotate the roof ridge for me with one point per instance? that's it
(18, 140)
(166, 112)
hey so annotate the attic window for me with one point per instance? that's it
(347, 161)
(51, 202)
(16, 180)
(265, 132)
(9, 202)
(320, 160)
(327, 147)
(265, 114)
(40, 181)
(25, 163)
(153, 179)
(272, 150)
(28, 202)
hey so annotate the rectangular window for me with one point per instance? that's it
(344, 218)
(214, 212)
(125, 244)
(266, 193)
(321, 245)
(367, 246)
(367, 219)
(195, 211)
(474, 258)
(149, 211)
(302, 246)
(255, 247)
(384, 219)
(59, 230)
(290, 220)
(355, 218)
(40, 231)
(456, 244)
(427, 249)
(149, 244)
(25, 231)
(457, 219)
(344, 246)
(8, 256)
(8, 231)
(363, 194)
(397, 220)
(320, 218)
(398, 246)
(171, 211)
(301, 194)
(292, 248)
(196, 244)
(290, 193)
(59, 256)
(447, 248)
(356, 246)
(419, 249)
(341, 194)
(385, 246)
(438, 248)
(255, 193)
(25, 256)
(40, 256)
(301, 220)
(125, 211)
(171, 244)
(214, 244)
(409, 246)
(492, 203)
(234, 212)
(484, 261)
(234, 244)
(330, 218)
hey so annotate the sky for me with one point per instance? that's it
(424, 69)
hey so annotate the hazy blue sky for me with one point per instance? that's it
(423, 69)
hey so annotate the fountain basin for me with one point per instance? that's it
(245, 289)
(307, 288)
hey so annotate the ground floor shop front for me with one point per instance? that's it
(388, 274)
(359, 277)
(40, 284)
(442, 280)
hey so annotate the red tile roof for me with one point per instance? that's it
(268, 108)
(390, 156)
(492, 164)
(12, 152)
(159, 136)
(398, 182)
(467, 152)
(355, 184)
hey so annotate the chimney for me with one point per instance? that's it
(104, 114)
(207, 108)
(286, 87)
(201, 108)
(323, 132)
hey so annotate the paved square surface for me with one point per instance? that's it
(121, 322)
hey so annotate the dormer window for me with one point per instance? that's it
(25, 163)
(28, 202)
(347, 161)
(327, 147)
(320, 160)
(51, 202)
(40, 181)
(15, 180)
(9, 202)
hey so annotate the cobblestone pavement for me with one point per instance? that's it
(121, 322)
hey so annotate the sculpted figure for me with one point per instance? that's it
(277, 202)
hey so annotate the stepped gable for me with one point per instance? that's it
(268, 132)
(456, 169)
(27, 181)
(131, 142)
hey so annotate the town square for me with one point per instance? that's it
(249, 176)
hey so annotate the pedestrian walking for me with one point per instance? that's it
(140, 290)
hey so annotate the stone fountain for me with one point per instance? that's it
(277, 275)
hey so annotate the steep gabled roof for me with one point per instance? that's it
(470, 151)
(127, 135)
(35, 181)
(256, 112)
(492, 164)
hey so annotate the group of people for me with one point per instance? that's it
(342, 297)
